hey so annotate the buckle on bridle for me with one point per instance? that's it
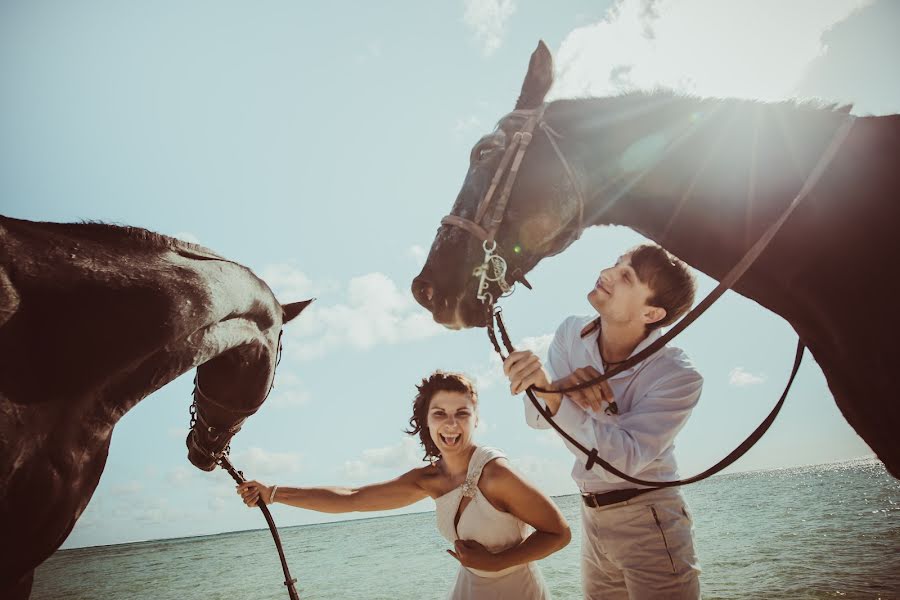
(492, 270)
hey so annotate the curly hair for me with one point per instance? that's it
(439, 381)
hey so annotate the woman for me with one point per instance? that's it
(483, 506)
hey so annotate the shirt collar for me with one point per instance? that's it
(590, 342)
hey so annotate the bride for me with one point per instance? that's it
(483, 507)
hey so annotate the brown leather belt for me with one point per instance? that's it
(613, 497)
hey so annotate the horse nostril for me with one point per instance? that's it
(423, 291)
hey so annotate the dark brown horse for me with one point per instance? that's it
(704, 179)
(93, 318)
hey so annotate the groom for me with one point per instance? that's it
(637, 542)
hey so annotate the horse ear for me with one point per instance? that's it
(538, 79)
(289, 311)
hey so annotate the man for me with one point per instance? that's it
(637, 542)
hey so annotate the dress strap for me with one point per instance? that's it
(482, 456)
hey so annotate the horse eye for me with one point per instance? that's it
(481, 152)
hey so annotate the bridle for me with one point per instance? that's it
(493, 269)
(486, 222)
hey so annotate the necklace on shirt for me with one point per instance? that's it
(611, 407)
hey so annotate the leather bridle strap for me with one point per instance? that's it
(484, 228)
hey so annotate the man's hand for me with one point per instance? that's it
(473, 555)
(524, 369)
(590, 398)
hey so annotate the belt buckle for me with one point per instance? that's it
(589, 500)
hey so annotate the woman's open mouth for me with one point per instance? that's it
(450, 440)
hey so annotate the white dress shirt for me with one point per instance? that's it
(654, 398)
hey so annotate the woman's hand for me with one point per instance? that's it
(473, 555)
(251, 491)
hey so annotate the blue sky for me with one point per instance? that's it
(320, 145)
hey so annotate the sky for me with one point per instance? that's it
(321, 144)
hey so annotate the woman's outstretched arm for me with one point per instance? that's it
(396, 493)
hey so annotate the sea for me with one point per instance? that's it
(823, 531)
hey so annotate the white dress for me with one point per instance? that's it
(493, 529)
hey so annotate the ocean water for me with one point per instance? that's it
(825, 531)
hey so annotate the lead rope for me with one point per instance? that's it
(238, 476)
(592, 456)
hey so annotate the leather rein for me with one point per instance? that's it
(222, 458)
(494, 270)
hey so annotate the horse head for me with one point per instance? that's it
(231, 387)
(522, 206)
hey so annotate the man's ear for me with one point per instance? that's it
(654, 314)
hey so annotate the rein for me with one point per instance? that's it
(238, 476)
(223, 461)
(497, 269)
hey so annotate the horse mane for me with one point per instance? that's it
(633, 99)
(133, 237)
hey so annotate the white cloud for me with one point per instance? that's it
(490, 373)
(737, 48)
(400, 457)
(287, 391)
(187, 236)
(740, 377)
(128, 488)
(487, 20)
(550, 475)
(370, 53)
(418, 254)
(216, 504)
(181, 476)
(466, 125)
(257, 463)
(289, 283)
(537, 344)
(178, 433)
(155, 510)
(375, 312)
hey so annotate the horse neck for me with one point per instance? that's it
(703, 178)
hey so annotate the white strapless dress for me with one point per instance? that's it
(493, 529)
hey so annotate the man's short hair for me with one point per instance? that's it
(671, 282)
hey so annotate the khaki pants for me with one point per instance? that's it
(641, 548)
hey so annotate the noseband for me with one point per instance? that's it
(486, 222)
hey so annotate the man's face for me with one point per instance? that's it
(620, 297)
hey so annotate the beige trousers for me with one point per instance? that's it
(639, 549)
